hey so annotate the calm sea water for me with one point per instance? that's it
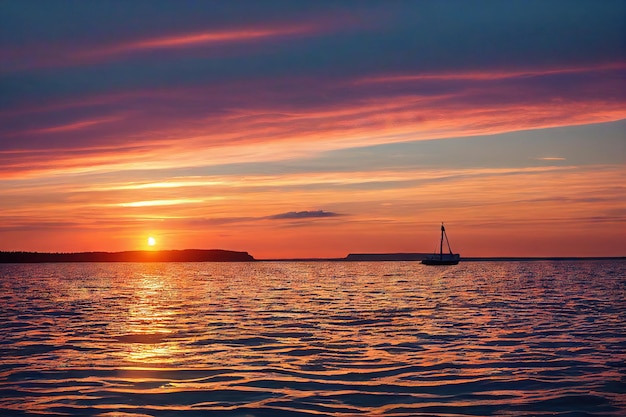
(318, 339)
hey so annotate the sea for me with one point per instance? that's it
(260, 339)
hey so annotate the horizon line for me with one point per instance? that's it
(358, 257)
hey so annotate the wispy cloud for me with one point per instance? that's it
(491, 74)
(197, 39)
(193, 136)
(550, 158)
(69, 127)
(202, 38)
(299, 215)
(153, 203)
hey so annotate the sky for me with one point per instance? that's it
(314, 129)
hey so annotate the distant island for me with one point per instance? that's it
(421, 256)
(416, 256)
(186, 255)
(386, 256)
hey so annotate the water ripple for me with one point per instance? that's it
(319, 339)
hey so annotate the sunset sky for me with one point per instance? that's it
(314, 128)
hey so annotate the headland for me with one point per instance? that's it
(186, 255)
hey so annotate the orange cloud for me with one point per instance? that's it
(527, 203)
(19, 59)
(260, 137)
(82, 124)
(252, 122)
(152, 203)
(550, 158)
(195, 39)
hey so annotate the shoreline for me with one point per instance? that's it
(221, 255)
(185, 255)
(469, 259)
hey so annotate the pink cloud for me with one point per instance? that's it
(261, 120)
(492, 74)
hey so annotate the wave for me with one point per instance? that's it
(340, 340)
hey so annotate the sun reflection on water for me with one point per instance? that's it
(147, 331)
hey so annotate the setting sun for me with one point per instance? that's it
(151, 241)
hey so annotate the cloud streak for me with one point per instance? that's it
(242, 130)
(299, 215)
(182, 41)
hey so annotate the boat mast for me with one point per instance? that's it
(443, 231)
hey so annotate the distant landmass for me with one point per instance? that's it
(386, 256)
(187, 255)
(421, 256)
(220, 255)
(414, 256)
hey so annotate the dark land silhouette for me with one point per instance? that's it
(386, 256)
(187, 255)
(220, 255)
(415, 256)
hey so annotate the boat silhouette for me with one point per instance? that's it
(442, 258)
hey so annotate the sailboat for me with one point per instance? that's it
(442, 258)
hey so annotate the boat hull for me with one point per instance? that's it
(440, 261)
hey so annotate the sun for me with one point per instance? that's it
(151, 241)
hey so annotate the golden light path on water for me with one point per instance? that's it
(320, 339)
